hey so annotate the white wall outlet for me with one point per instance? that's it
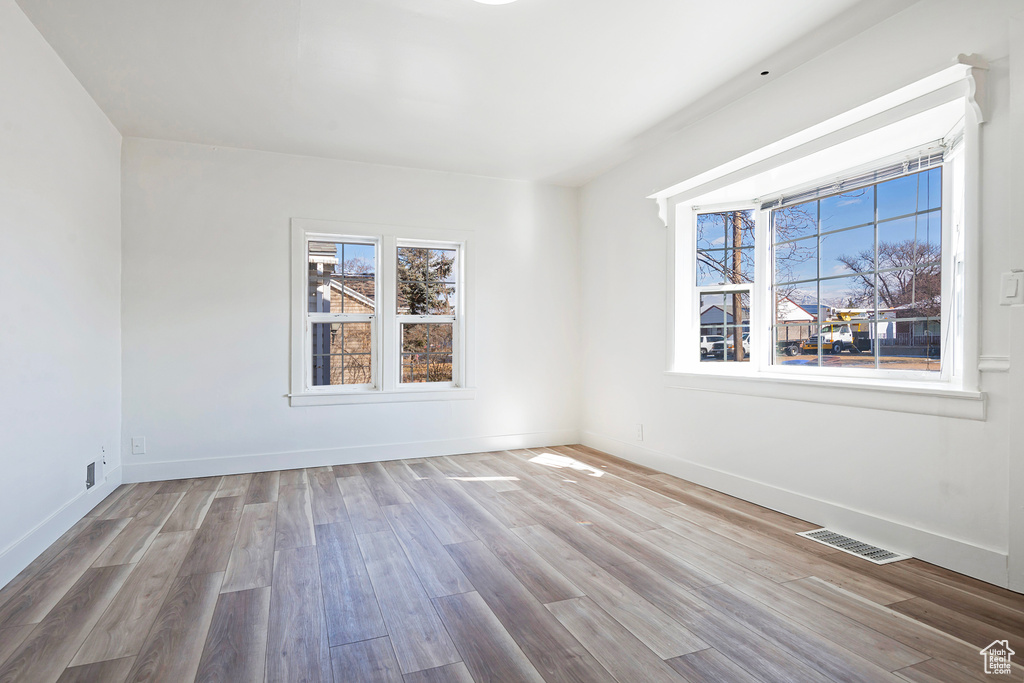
(639, 432)
(138, 445)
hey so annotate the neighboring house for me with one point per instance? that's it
(814, 310)
(714, 319)
(794, 320)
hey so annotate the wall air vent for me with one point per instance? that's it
(853, 546)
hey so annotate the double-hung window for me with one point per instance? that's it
(725, 275)
(377, 316)
(428, 292)
(341, 320)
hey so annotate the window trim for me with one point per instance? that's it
(386, 344)
(960, 397)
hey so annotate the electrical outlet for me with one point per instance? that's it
(90, 475)
(138, 445)
(639, 432)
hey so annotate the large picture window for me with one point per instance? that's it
(858, 276)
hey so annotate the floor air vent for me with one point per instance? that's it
(853, 546)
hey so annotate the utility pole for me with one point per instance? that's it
(737, 297)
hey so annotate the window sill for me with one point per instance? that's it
(363, 397)
(900, 397)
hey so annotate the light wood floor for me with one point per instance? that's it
(556, 564)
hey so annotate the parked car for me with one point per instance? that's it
(707, 341)
(718, 349)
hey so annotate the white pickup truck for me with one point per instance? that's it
(834, 337)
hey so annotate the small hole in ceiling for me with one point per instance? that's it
(764, 73)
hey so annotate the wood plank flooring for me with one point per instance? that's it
(551, 564)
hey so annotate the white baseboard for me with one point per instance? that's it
(264, 462)
(21, 552)
(982, 563)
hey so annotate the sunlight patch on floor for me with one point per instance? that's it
(560, 461)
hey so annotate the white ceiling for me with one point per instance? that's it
(554, 90)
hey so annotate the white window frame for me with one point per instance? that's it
(955, 391)
(329, 318)
(386, 386)
(454, 318)
(692, 346)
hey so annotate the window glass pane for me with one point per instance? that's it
(427, 281)
(899, 197)
(790, 340)
(902, 231)
(854, 292)
(739, 265)
(794, 222)
(736, 346)
(848, 344)
(442, 266)
(797, 260)
(358, 259)
(341, 277)
(711, 267)
(794, 318)
(442, 298)
(356, 369)
(725, 267)
(929, 237)
(427, 352)
(356, 295)
(914, 292)
(909, 343)
(725, 248)
(835, 338)
(319, 294)
(713, 231)
(713, 316)
(341, 353)
(439, 338)
(413, 263)
(929, 191)
(724, 317)
(849, 251)
(856, 207)
(439, 368)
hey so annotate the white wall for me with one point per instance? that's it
(206, 310)
(59, 293)
(939, 488)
